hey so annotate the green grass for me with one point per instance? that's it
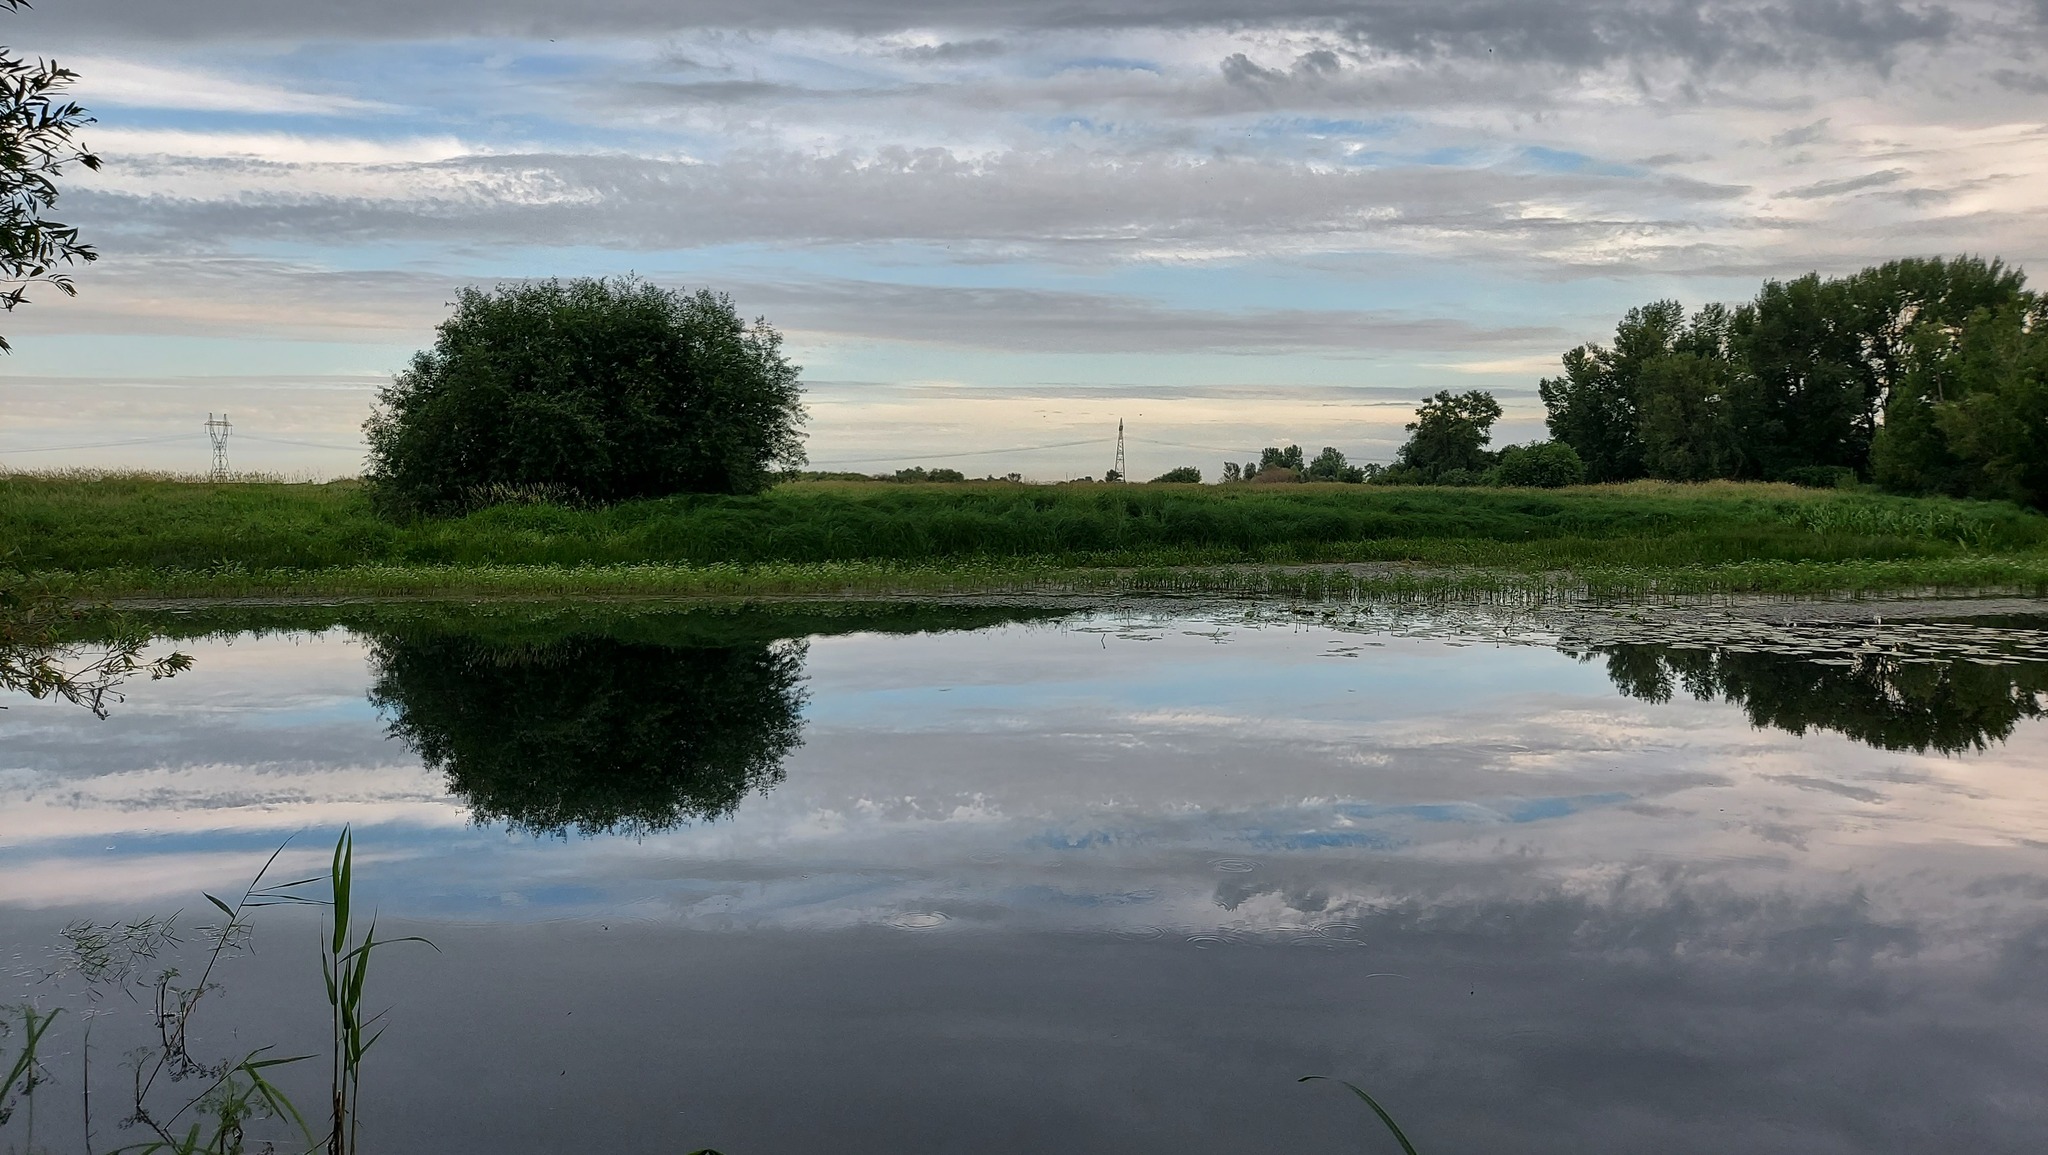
(123, 536)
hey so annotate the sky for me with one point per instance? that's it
(990, 229)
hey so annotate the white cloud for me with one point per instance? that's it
(110, 80)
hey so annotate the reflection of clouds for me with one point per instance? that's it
(1536, 915)
(1049, 786)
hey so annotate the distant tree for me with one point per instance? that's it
(604, 390)
(1276, 458)
(1449, 433)
(1232, 471)
(38, 130)
(1542, 465)
(920, 473)
(1112, 477)
(1330, 465)
(1182, 475)
(1251, 470)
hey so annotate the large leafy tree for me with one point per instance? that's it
(1449, 433)
(1596, 407)
(38, 139)
(586, 391)
(1974, 423)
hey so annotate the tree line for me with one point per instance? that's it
(1924, 376)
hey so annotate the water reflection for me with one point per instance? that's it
(621, 725)
(590, 731)
(1883, 700)
(1112, 885)
(41, 656)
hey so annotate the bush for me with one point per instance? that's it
(920, 473)
(601, 391)
(1184, 475)
(1821, 476)
(1541, 465)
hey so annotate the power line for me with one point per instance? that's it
(971, 453)
(101, 444)
(312, 444)
(1192, 445)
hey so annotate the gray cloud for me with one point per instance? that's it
(1044, 203)
(952, 51)
(1829, 188)
(1038, 320)
(230, 296)
(2032, 83)
(1804, 134)
(1572, 32)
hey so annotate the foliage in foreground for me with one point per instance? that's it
(38, 658)
(38, 138)
(178, 1101)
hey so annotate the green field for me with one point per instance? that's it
(142, 536)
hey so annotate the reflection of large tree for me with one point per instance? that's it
(591, 731)
(1879, 699)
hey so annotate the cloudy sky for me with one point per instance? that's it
(991, 225)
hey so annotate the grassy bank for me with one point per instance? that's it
(124, 536)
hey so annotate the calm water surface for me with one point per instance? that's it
(1752, 879)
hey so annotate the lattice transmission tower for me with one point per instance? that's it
(1121, 472)
(217, 431)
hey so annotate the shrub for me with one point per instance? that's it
(1541, 465)
(1182, 475)
(599, 390)
(1821, 476)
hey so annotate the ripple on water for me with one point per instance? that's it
(1140, 933)
(1339, 930)
(1203, 940)
(918, 920)
(1234, 865)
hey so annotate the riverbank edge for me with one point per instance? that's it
(2022, 575)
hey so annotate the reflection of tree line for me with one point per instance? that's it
(1882, 700)
(641, 722)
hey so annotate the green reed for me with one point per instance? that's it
(344, 965)
(1385, 1117)
(230, 1093)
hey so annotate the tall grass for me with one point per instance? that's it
(121, 535)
